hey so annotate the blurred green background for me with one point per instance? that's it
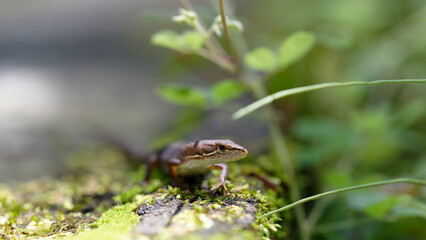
(69, 69)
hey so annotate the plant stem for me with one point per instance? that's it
(362, 186)
(275, 131)
(288, 92)
(215, 49)
(340, 225)
(282, 152)
(315, 214)
(215, 59)
(228, 39)
(259, 92)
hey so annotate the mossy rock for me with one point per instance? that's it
(103, 199)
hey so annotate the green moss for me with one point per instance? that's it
(53, 207)
(119, 215)
(113, 224)
(102, 233)
(128, 195)
(40, 227)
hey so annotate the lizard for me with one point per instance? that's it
(181, 159)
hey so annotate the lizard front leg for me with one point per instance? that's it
(222, 177)
(173, 164)
(152, 162)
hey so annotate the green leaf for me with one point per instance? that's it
(295, 47)
(186, 41)
(182, 95)
(262, 59)
(235, 24)
(167, 39)
(379, 209)
(191, 40)
(230, 23)
(336, 178)
(227, 90)
(409, 207)
(186, 17)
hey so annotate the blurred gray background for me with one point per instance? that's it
(70, 70)
(69, 67)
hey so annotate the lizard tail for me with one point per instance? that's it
(132, 157)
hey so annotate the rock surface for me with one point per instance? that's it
(172, 217)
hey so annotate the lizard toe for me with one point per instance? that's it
(222, 185)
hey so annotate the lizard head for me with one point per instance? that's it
(214, 151)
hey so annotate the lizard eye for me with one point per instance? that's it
(221, 147)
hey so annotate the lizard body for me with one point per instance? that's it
(183, 159)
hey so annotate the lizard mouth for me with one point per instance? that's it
(218, 157)
(234, 155)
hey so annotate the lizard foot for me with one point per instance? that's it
(216, 187)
